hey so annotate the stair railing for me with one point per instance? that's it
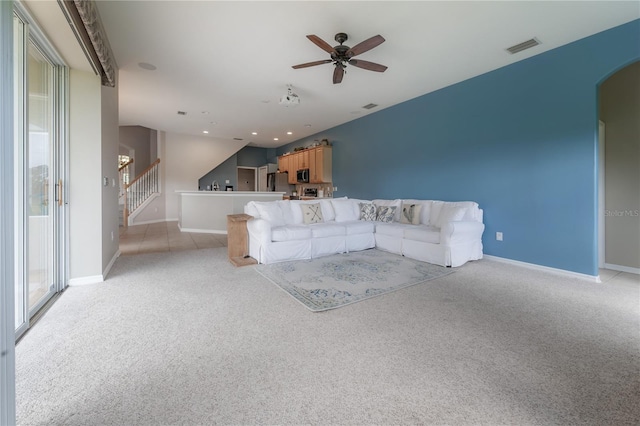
(124, 176)
(140, 189)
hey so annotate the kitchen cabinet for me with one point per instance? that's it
(320, 165)
(293, 168)
(317, 160)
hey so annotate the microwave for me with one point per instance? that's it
(303, 176)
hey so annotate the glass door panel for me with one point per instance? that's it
(40, 186)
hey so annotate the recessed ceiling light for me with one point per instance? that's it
(205, 131)
(275, 139)
(147, 66)
(205, 112)
(254, 133)
(289, 133)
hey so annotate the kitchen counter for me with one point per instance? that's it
(206, 211)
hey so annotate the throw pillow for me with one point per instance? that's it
(449, 214)
(271, 212)
(311, 213)
(411, 214)
(367, 211)
(385, 213)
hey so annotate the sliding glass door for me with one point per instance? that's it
(39, 165)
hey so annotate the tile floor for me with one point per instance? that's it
(165, 236)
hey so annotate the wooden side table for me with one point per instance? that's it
(238, 240)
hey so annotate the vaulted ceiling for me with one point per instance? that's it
(226, 64)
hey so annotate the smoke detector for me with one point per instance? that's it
(290, 99)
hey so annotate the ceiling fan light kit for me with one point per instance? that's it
(342, 55)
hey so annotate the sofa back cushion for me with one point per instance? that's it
(271, 212)
(346, 209)
(470, 211)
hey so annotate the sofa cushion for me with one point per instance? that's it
(391, 229)
(386, 213)
(311, 213)
(290, 233)
(359, 227)
(427, 234)
(320, 230)
(271, 212)
(449, 213)
(367, 211)
(346, 209)
(410, 213)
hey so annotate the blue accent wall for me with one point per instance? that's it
(521, 141)
(249, 156)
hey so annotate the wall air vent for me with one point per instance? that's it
(182, 113)
(370, 106)
(523, 46)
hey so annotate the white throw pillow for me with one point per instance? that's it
(410, 213)
(449, 213)
(345, 211)
(425, 209)
(311, 213)
(271, 212)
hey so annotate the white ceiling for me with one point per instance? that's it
(233, 59)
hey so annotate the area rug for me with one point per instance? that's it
(339, 280)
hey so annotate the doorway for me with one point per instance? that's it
(39, 164)
(247, 179)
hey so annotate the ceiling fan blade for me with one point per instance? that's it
(371, 66)
(311, 64)
(321, 44)
(338, 73)
(368, 44)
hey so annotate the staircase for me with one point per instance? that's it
(133, 194)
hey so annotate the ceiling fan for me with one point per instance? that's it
(342, 55)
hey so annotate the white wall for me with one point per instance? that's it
(110, 211)
(185, 159)
(85, 188)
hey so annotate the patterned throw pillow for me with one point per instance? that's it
(385, 213)
(311, 213)
(411, 214)
(367, 211)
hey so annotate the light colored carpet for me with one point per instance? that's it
(185, 338)
(339, 280)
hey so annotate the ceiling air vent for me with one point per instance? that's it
(523, 46)
(238, 139)
(370, 106)
(182, 113)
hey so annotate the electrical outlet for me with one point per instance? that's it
(499, 236)
(226, 181)
(112, 237)
(335, 188)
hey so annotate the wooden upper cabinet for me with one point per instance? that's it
(317, 160)
(283, 163)
(320, 165)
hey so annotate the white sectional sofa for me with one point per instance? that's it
(439, 232)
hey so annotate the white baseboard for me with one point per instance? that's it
(621, 268)
(105, 273)
(147, 222)
(592, 278)
(93, 279)
(202, 231)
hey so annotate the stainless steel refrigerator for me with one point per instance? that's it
(279, 182)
